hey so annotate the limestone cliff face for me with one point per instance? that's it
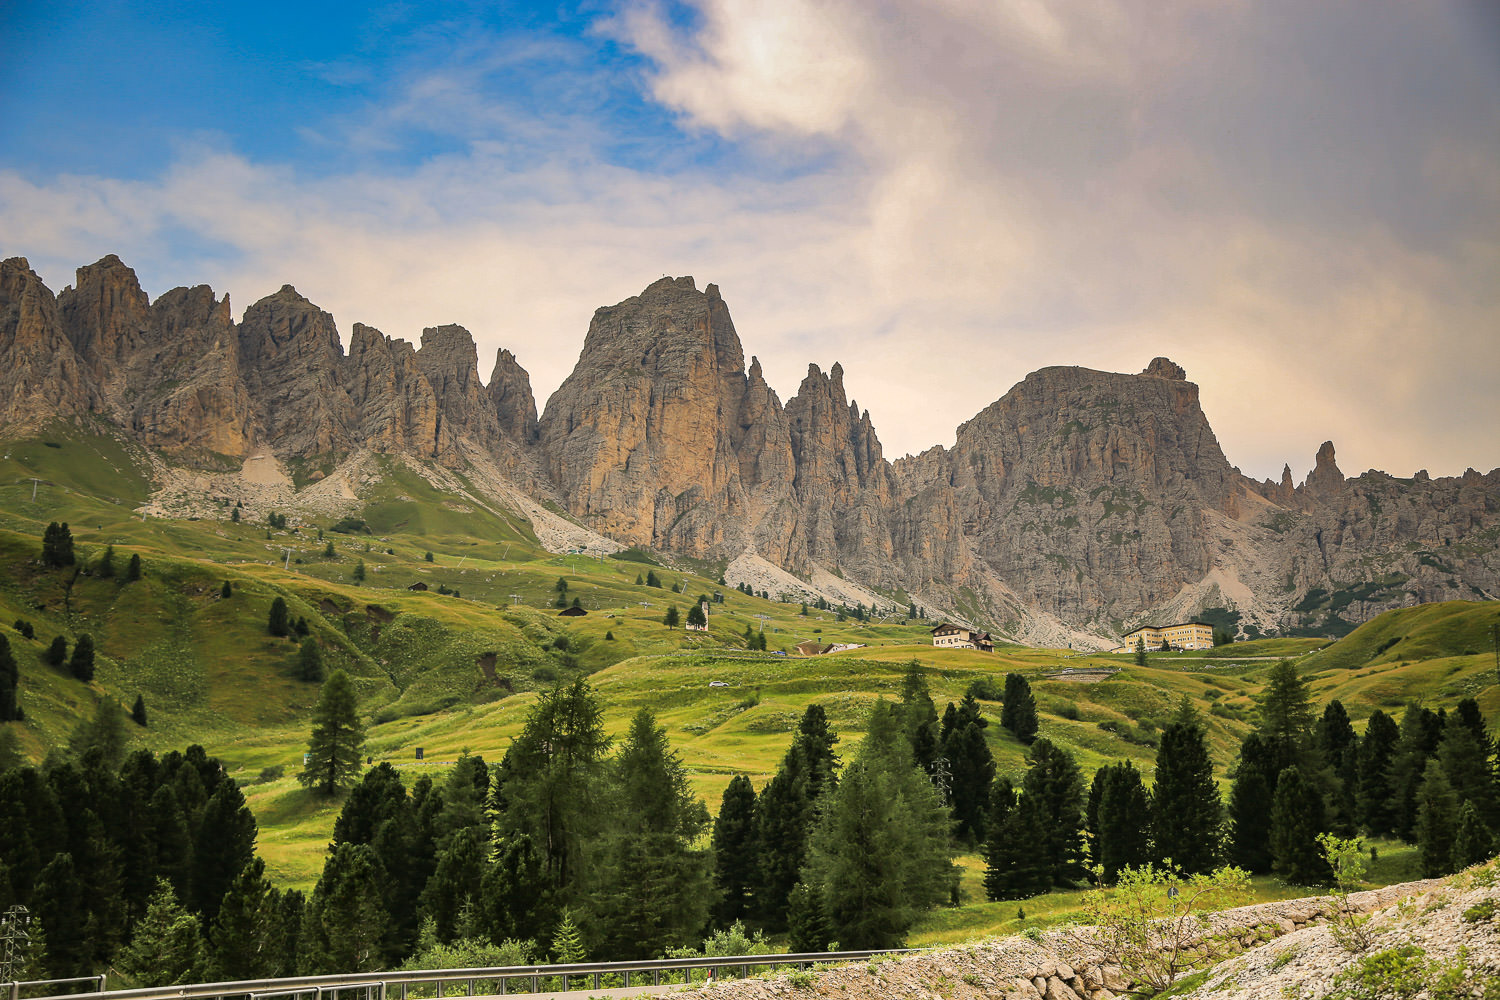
(41, 375)
(395, 405)
(510, 395)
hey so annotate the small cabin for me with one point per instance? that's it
(419, 585)
(571, 613)
(950, 636)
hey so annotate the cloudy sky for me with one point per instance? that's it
(1297, 201)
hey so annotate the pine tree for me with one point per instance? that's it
(57, 653)
(567, 942)
(880, 852)
(671, 618)
(57, 546)
(1122, 835)
(1140, 651)
(918, 715)
(138, 711)
(347, 922)
(166, 948)
(106, 567)
(1377, 749)
(1019, 711)
(1436, 825)
(695, 615)
(808, 929)
(1185, 810)
(1250, 800)
(243, 938)
(337, 738)
(736, 852)
(10, 682)
(81, 664)
(224, 845)
(359, 572)
(1054, 785)
(651, 579)
(276, 622)
(1420, 734)
(972, 769)
(133, 568)
(652, 886)
(1286, 717)
(1296, 821)
(310, 662)
(226, 592)
(1465, 760)
(1472, 843)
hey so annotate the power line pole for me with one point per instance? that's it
(15, 943)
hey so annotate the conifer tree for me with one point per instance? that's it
(1019, 711)
(1286, 717)
(57, 652)
(671, 618)
(337, 738)
(736, 852)
(310, 661)
(358, 575)
(456, 885)
(166, 948)
(57, 546)
(81, 663)
(1185, 810)
(808, 929)
(918, 716)
(1296, 820)
(243, 939)
(1436, 825)
(1250, 801)
(224, 845)
(276, 622)
(1472, 842)
(1465, 759)
(10, 682)
(1121, 831)
(1377, 749)
(567, 942)
(880, 853)
(133, 568)
(1420, 734)
(652, 580)
(695, 615)
(60, 902)
(972, 768)
(106, 567)
(1051, 813)
(347, 922)
(1014, 868)
(652, 886)
(138, 711)
(378, 813)
(516, 897)
(103, 733)
(1335, 735)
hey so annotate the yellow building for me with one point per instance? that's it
(1187, 635)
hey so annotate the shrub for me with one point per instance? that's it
(351, 526)
(1393, 974)
(1346, 858)
(271, 773)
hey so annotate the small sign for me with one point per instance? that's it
(419, 753)
(306, 759)
(1171, 892)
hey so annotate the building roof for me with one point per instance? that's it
(571, 613)
(1158, 628)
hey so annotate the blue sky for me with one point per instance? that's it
(1298, 202)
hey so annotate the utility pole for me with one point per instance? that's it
(14, 943)
(515, 598)
(34, 483)
(763, 621)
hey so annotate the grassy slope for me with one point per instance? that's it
(210, 673)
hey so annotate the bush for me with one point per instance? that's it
(271, 773)
(351, 526)
(985, 689)
(544, 673)
(1068, 710)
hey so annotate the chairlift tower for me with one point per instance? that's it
(15, 943)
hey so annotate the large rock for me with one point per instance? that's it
(41, 375)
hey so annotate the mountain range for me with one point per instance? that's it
(1079, 504)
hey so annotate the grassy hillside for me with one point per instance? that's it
(447, 673)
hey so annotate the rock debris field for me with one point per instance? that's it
(1286, 950)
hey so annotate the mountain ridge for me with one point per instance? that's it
(1076, 505)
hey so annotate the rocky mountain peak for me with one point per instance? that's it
(511, 397)
(1325, 480)
(1165, 368)
(105, 315)
(449, 357)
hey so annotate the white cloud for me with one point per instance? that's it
(995, 188)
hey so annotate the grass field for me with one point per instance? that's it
(449, 673)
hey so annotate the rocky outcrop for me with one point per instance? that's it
(1079, 500)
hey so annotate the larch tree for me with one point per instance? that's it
(338, 738)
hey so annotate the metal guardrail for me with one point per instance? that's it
(389, 985)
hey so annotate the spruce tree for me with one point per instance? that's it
(57, 546)
(1185, 810)
(1377, 749)
(1014, 868)
(651, 579)
(971, 769)
(10, 682)
(918, 716)
(166, 948)
(347, 922)
(243, 940)
(1466, 763)
(1140, 651)
(310, 661)
(567, 942)
(695, 615)
(1472, 843)
(133, 568)
(671, 618)
(106, 566)
(358, 575)
(736, 853)
(224, 845)
(60, 903)
(1019, 711)
(81, 663)
(333, 752)
(456, 885)
(808, 929)
(1436, 825)
(1052, 807)
(57, 652)
(138, 711)
(1420, 733)
(1250, 801)
(880, 853)
(1296, 820)
(1286, 717)
(276, 622)
(516, 897)
(1121, 832)
(652, 887)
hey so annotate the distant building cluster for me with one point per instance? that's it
(1187, 635)
(950, 636)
